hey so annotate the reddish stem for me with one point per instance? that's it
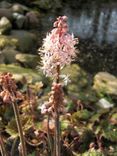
(2, 147)
(19, 126)
(57, 122)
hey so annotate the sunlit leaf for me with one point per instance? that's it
(11, 128)
(82, 115)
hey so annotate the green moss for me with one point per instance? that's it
(28, 60)
(7, 41)
(20, 72)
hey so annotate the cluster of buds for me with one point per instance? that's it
(61, 26)
(58, 48)
(8, 88)
(55, 100)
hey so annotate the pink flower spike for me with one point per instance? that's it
(58, 47)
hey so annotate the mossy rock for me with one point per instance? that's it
(77, 75)
(105, 83)
(9, 55)
(28, 60)
(6, 41)
(19, 73)
(80, 82)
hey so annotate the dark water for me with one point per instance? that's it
(96, 27)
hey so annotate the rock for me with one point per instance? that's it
(28, 60)
(105, 83)
(28, 21)
(19, 73)
(47, 4)
(103, 103)
(9, 54)
(5, 26)
(8, 41)
(1, 58)
(19, 20)
(6, 13)
(80, 83)
(43, 4)
(78, 77)
(19, 8)
(27, 40)
(32, 19)
(5, 4)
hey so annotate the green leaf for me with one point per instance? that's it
(65, 124)
(91, 152)
(11, 128)
(32, 154)
(82, 115)
(111, 134)
(70, 106)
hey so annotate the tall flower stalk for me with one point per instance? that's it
(10, 95)
(57, 122)
(2, 147)
(58, 50)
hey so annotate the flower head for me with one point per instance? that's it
(56, 99)
(58, 47)
(8, 88)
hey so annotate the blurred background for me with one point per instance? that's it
(93, 22)
(91, 94)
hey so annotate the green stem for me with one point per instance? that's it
(19, 126)
(2, 148)
(13, 146)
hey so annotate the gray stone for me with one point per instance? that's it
(6, 13)
(105, 83)
(33, 19)
(27, 40)
(19, 8)
(9, 54)
(19, 19)
(5, 4)
(5, 26)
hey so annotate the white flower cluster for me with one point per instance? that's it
(58, 48)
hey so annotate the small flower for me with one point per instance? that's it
(66, 79)
(8, 88)
(55, 99)
(58, 47)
